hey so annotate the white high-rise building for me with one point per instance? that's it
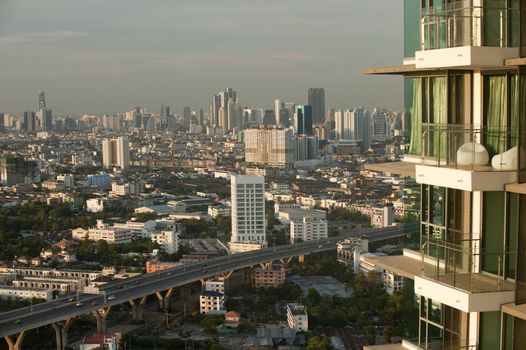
(272, 147)
(116, 152)
(248, 209)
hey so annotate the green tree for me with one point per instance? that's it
(318, 343)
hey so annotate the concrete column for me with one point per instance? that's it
(16, 344)
(301, 258)
(138, 309)
(164, 300)
(61, 333)
(101, 315)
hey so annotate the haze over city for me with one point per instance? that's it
(105, 57)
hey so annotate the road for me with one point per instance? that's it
(121, 291)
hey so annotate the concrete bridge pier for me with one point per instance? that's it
(164, 300)
(15, 344)
(138, 308)
(101, 315)
(61, 332)
(301, 258)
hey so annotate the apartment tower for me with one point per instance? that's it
(465, 115)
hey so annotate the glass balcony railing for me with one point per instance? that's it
(464, 147)
(455, 25)
(459, 264)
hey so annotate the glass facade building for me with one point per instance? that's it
(464, 78)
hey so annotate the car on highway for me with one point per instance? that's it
(111, 297)
(70, 300)
(120, 287)
(93, 303)
(19, 321)
(79, 304)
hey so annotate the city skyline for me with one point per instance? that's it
(117, 59)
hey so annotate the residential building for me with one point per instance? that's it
(115, 153)
(382, 217)
(168, 241)
(218, 210)
(211, 302)
(465, 82)
(269, 276)
(297, 317)
(17, 170)
(308, 229)
(216, 284)
(269, 146)
(345, 249)
(95, 205)
(248, 209)
(99, 341)
(12, 292)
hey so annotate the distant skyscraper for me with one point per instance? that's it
(115, 152)
(187, 114)
(111, 122)
(317, 101)
(269, 146)
(303, 120)
(220, 101)
(380, 125)
(361, 126)
(305, 147)
(278, 106)
(248, 209)
(30, 121)
(41, 100)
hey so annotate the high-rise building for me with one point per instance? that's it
(248, 209)
(30, 121)
(305, 147)
(303, 120)
(187, 115)
(278, 106)
(269, 146)
(115, 153)
(220, 103)
(316, 99)
(111, 122)
(465, 97)
(41, 100)
(380, 125)
(342, 122)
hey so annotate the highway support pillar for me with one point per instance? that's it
(164, 300)
(138, 308)
(286, 262)
(61, 333)
(15, 344)
(301, 258)
(101, 315)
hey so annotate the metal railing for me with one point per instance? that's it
(437, 343)
(461, 146)
(458, 264)
(454, 25)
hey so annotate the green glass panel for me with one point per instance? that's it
(493, 234)
(489, 330)
(411, 27)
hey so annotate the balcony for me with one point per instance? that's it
(451, 274)
(455, 35)
(465, 158)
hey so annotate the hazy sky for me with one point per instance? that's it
(96, 56)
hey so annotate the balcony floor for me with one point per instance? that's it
(480, 283)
